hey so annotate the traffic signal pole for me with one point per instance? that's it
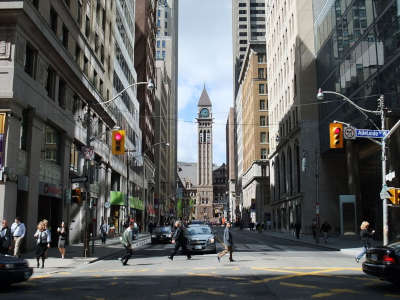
(384, 203)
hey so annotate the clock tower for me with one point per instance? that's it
(204, 201)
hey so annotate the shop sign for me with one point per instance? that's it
(50, 190)
(136, 203)
(117, 198)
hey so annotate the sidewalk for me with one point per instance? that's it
(74, 255)
(349, 245)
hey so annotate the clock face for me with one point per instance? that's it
(204, 113)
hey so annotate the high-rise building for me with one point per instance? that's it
(56, 67)
(357, 56)
(248, 24)
(144, 59)
(292, 114)
(167, 51)
(254, 108)
(126, 108)
(205, 198)
(231, 165)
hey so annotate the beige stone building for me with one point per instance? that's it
(253, 86)
(292, 113)
(56, 61)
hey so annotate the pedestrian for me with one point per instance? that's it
(365, 235)
(325, 228)
(5, 238)
(228, 243)
(48, 231)
(314, 230)
(18, 231)
(42, 243)
(62, 236)
(297, 228)
(104, 229)
(180, 241)
(126, 240)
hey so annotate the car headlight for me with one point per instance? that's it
(169, 235)
(153, 236)
(212, 241)
(7, 266)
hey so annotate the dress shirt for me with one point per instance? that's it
(18, 230)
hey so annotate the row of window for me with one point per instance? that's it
(161, 43)
(252, 12)
(205, 137)
(252, 19)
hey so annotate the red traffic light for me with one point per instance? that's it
(337, 130)
(118, 136)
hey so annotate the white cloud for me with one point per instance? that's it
(205, 57)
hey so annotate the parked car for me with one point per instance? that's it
(200, 239)
(13, 270)
(161, 234)
(384, 262)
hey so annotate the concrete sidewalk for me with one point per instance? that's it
(74, 255)
(350, 245)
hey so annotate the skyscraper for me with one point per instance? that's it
(248, 24)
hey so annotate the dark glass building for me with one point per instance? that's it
(358, 55)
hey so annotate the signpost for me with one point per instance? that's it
(78, 179)
(349, 133)
(384, 193)
(374, 134)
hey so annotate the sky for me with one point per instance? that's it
(205, 58)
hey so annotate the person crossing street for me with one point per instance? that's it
(126, 240)
(228, 243)
(180, 242)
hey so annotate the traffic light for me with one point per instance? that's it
(336, 135)
(118, 142)
(77, 196)
(394, 195)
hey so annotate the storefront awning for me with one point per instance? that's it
(117, 198)
(136, 203)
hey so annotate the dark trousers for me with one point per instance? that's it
(225, 251)
(103, 238)
(127, 255)
(3, 250)
(184, 250)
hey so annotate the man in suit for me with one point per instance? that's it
(228, 243)
(180, 241)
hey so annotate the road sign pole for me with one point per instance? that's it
(384, 203)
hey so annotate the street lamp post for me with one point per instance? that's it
(381, 113)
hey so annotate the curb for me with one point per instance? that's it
(331, 248)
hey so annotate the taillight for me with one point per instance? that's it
(387, 259)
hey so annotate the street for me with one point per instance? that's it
(265, 268)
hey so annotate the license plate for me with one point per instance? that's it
(199, 247)
(374, 257)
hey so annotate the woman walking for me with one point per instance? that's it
(365, 236)
(42, 243)
(62, 236)
(5, 238)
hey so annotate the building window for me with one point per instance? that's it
(86, 66)
(261, 58)
(30, 60)
(163, 44)
(263, 137)
(158, 23)
(51, 82)
(261, 88)
(67, 2)
(263, 121)
(261, 73)
(243, 42)
(242, 12)
(79, 13)
(242, 26)
(242, 19)
(159, 13)
(65, 36)
(166, 14)
(35, 3)
(262, 104)
(242, 4)
(166, 24)
(158, 44)
(51, 144)
(78, 54)
(61, 93)
(163, 54)
(242, 49)
(243, 33)
(53, 20)
(24, 129)
(264, 171)
(263, 153)
(87, 27)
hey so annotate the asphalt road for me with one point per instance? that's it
(265, 268)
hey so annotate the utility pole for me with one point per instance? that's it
(384, 204)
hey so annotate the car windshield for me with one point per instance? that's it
(163, 229)
(199, 230)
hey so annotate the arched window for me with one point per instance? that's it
(204, 137)
(201, 136)
(208, 137)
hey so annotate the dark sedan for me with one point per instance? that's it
(384, 262)
(161, 234)
(13, 270)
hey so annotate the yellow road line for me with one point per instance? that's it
(198, 291)
(305, 286)
(64, 273)
(333, 292)
(41, 277)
